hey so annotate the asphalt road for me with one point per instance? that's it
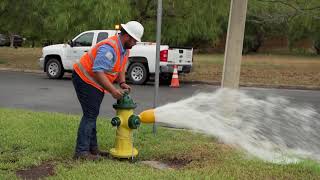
(37, 92)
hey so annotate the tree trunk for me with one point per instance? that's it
(316, 45)
(317, 50)
(11, 40)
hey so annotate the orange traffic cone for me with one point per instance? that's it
(175, 78)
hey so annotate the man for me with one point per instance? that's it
(93, 76)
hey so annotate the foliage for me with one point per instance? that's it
(68, 18)
(295, 19)
(253, 39)
(184, 22)
(60, 20)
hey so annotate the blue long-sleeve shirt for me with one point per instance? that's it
(106, 58)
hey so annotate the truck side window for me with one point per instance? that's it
(102, 36)
(84, 40)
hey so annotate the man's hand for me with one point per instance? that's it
(107, 85)
(125, 86)
(117, 93)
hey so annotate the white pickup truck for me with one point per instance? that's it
(58, 59)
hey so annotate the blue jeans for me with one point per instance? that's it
(90, 99)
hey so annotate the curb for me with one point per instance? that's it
(215, 83)
(281, 86)
(21, 70)
(267, 86)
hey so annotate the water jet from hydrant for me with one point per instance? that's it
(273, 129)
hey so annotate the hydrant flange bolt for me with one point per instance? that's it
(115, 121)
(133, 121)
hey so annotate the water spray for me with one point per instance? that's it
(273, 129)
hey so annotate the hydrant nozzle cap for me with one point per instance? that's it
(133, 121)
(126, 102)
(115, 121)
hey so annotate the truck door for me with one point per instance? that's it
(81, 45)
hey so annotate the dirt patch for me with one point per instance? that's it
(37, 172)
(177, 162)
(157, 165)
(169, 163)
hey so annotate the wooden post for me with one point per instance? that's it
(234, 44)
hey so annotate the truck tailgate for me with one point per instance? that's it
(180, 56)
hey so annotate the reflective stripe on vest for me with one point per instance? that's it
(87, 74)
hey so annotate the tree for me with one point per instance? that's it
(60, 20)
(34, 28)
(296, 19)
(14, 16)
(68, 18)
(185, 22)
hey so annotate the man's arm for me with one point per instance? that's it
(104, 61)
(122, 76)
(107, 85)
(122, 80)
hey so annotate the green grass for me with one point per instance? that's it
(20, 58)
(30, 138)
(209, 58)
(260, 69)
(2, 61)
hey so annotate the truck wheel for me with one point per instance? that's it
(137, 73)
(54, 69)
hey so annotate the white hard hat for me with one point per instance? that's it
(134, 29)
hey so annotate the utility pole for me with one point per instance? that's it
(234, 44)
(156, 81)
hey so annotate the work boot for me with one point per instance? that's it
(97, 152)
(86, 156)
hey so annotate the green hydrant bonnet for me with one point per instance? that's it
(126, 102)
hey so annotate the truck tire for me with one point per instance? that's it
(138, 73)
(54, 69)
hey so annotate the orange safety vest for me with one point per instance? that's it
(84, 67)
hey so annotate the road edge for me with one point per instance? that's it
(215, 83)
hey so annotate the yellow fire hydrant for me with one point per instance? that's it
(126, 121)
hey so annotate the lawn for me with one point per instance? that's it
(261, 70)
(21, 58)
(38, 142)
(269, 70)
